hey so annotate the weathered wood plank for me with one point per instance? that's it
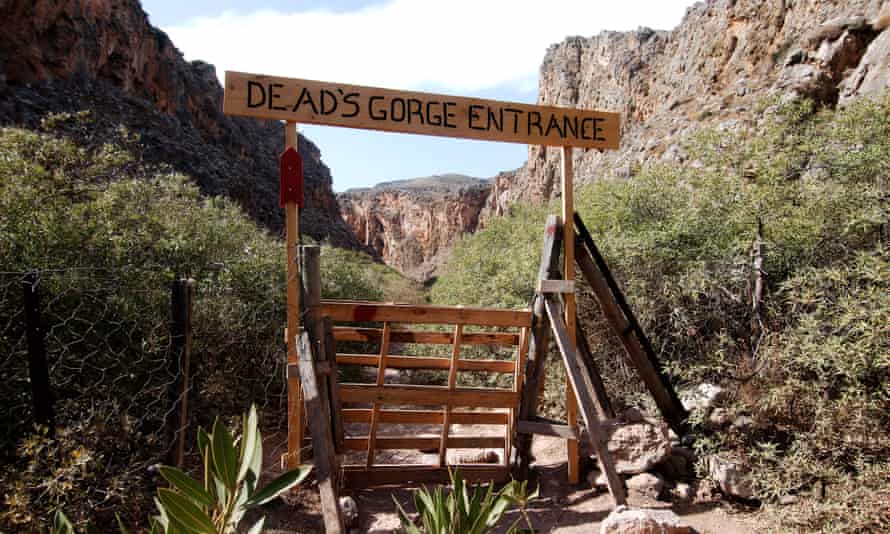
(323, 454)
(381, 375)
(371, 335)
(373, 108)
(417, 362)
(542, 428)
(621, 318)
(423, 417)
(556, 286)
(423, 442)
(295, 417)
(361, 477)
(410, 313)
(539, 342)
(452, 382)
(568, 208)
(428, 395)
(584, 390)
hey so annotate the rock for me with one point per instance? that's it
(646, 484)
(703, 397)
(787, 500)
(350, 511)
(637, 447)
(678, 466)
(625, 520)
(105, 56)
(872, 75)
(597, 480)
(683, 492)
(720, 417)
(731, 477)
(411, 224)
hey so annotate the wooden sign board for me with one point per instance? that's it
(371, 108)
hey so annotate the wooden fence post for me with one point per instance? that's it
(180, 356)
(37, 370)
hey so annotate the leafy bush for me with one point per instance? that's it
(108, 235)
(761, 265)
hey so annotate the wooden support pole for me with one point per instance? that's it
(294, 392)
(452, 383)
(323, 455)
(580, 379)
(568, 209)
(539, 343)
(180, 361)
(375, 409)
(624, 323)
(41, 396)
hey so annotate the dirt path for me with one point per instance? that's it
(560, 509)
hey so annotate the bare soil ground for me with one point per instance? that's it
(562, 508)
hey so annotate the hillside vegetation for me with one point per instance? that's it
(108, 234)
(759, 264)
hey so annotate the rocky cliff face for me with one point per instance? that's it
(103, 55)
(723, 57)
(411, 224)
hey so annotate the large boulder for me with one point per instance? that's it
(731, 476)
(624, 520)
(704, 397)
(646, 485)
(637, 447)
(872, 75)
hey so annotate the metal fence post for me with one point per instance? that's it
(180, 356)
(37, 368)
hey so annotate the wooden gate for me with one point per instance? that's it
(436, 424)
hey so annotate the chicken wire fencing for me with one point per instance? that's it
(114, 374)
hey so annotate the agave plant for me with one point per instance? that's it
(465, 509)
(231, 472)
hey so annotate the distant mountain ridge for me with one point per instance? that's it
(436, 182)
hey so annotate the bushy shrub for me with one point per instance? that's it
(108, 236)
(760, 265)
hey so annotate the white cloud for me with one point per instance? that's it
(455, 45)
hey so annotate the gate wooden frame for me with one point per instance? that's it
(291, 100)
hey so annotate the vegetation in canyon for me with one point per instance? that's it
(761, 265)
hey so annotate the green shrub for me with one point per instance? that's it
(108, 235)
(805, 187)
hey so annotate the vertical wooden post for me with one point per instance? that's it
(180, 356)
(452, 383)
(41, 396)
(375, 409)
(568, 210)
(294, 391)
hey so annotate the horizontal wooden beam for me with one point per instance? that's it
(546, 429)
(373, 108)
(430, 441)
(428, 395)
(347, 311)
(423, 417)
(360, 476)
(556, 286)
(370, 335)
(415, 362)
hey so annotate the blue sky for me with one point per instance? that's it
(485, 48)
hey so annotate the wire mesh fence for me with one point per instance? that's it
(115, 381)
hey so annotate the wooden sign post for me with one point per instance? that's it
(294, 391)
(372, 108)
